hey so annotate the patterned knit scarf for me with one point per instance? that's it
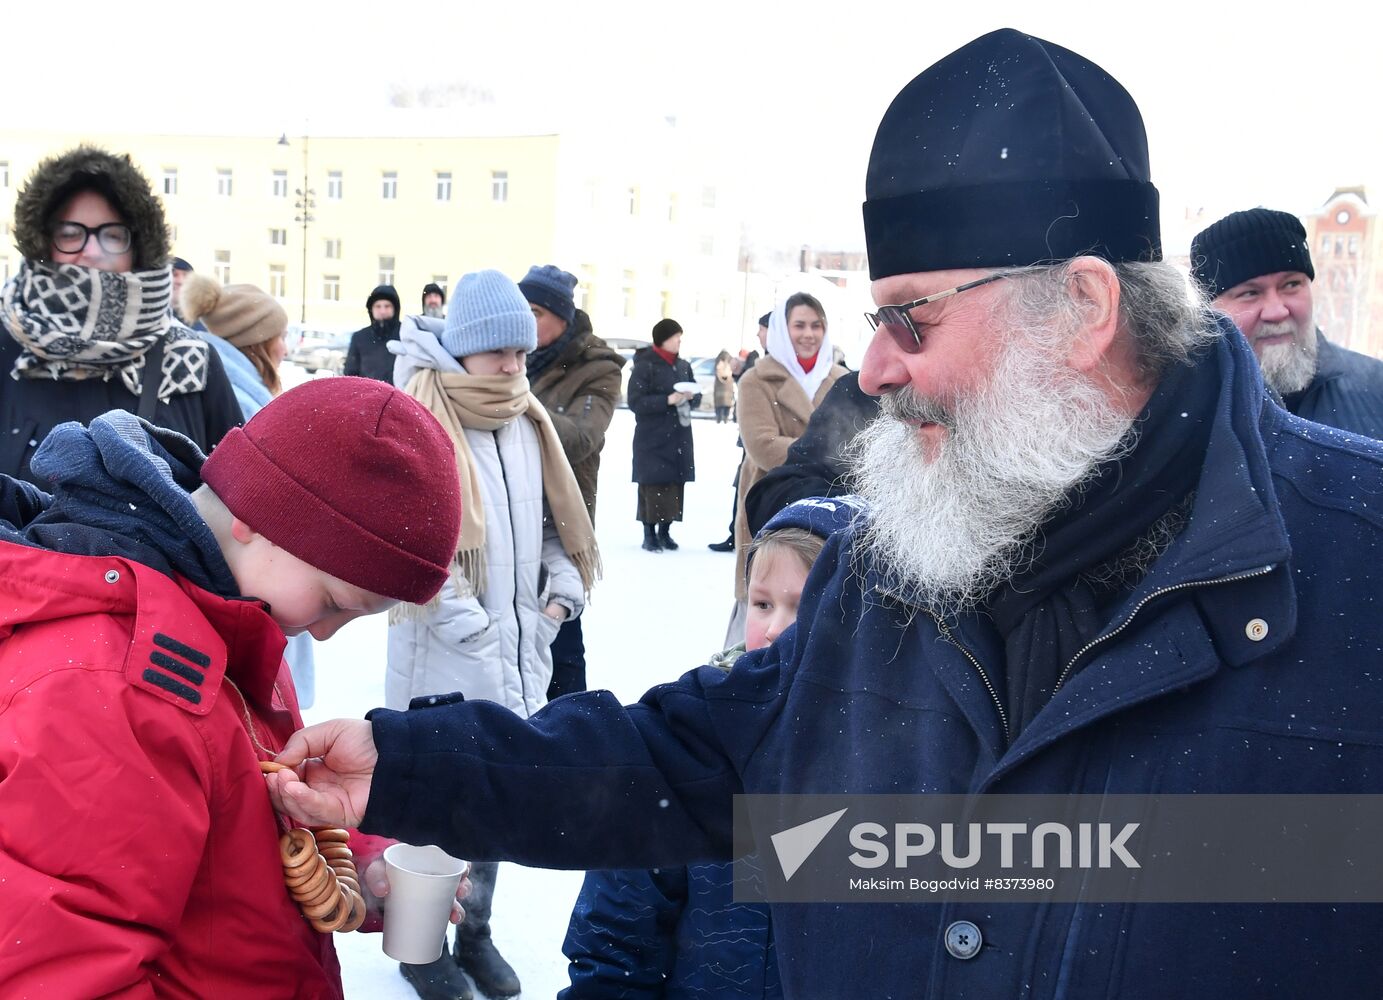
(488, 402)
(76, 323)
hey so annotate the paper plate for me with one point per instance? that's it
(685, 387)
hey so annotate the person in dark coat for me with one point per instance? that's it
(663, 458)
(748, 363)
(434, 300)
(90, 308)
(1098, 559)
(369, 355)
(1256, 268)
(576, 376)
(817, 463)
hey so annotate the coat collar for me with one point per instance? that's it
(1232, 559)
(183, 641)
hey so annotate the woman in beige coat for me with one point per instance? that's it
(776, 399)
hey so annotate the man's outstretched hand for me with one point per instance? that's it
(333, 764)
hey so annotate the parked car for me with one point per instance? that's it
(318, 350)
(625, 347)
(704, 371)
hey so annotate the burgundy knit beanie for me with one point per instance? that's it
(353, 477)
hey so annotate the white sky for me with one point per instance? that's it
(1241, 108)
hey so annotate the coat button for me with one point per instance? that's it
(112, 576)
(1256, 629)
(963, 940)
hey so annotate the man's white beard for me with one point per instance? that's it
(434, 312)
(945, 533)
(1288, 367)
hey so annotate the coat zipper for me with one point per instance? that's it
(513, 533)
(989, 686)
(1233, 578)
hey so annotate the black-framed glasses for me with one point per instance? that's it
(897, 322)
(71, 237)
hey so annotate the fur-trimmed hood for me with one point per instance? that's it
(116, 178)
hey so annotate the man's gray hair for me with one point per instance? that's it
(1168, 319)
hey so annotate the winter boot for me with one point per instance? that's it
(650, 538)
(477, 954)
(439, 980)
(726, 546)
(664, 539)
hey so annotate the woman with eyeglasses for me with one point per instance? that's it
(88, 324)
(776, 399)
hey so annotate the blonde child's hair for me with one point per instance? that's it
(799, 541)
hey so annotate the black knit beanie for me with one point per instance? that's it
(663, 329)
(1246, 245)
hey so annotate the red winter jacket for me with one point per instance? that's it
(138, 847)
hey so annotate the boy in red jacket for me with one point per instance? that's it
(143, 609)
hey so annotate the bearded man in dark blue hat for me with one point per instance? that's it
(1098, 559)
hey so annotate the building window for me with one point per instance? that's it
(170, 180)
(223, 266)
(172, 233)
(444, 185)
(279, 185)
(667, 303)
(386, 271)
(223, 183)
(633, 195)
(389, 188)
(629, 298)
(585, 291)
(1339, 246)
(1353, 245)
(4, 173)
(334, 185)
(332, 249)
(499, 185)
(278, 237)
(331, 287)
(1325, 243)
(441, 281)
(278, 281)
(708, 197)
(672, 208)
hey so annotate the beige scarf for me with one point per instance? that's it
(486, 403)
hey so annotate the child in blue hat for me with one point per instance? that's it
(678, 931)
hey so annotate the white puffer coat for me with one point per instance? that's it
(495, 647)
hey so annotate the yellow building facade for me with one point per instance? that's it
(646, 233)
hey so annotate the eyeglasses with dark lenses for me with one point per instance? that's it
(897, 322)
(71, 237)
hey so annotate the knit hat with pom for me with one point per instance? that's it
(240, 314)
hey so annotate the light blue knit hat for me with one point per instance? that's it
(488, 312)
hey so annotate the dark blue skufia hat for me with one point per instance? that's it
(1009, 152)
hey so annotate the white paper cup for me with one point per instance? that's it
(422, 887)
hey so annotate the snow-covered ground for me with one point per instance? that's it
(653, 616)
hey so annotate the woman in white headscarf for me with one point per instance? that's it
(776, 399)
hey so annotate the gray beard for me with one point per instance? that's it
(434, 311)
(943, 534)
(1289, 367)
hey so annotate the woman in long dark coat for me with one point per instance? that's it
(663, 459)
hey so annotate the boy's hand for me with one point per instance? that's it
(333, 764)
(555, 611)
(376, 884)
